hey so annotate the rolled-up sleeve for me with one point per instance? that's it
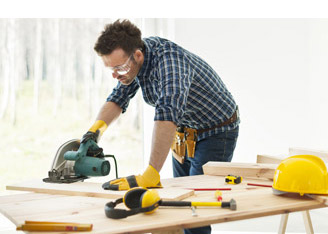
(122, 94)
(175, 79)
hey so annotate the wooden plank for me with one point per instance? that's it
(250, 204)
(23, 197)
(320, 198)
(258, 170)
(299, 151)
(264, 158)
(90, 190)
(210, 181)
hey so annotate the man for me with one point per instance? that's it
(195, 114)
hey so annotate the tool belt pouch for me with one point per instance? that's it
(184, 143)
(178, 146)
(191, 138)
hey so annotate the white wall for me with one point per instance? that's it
(277, 71)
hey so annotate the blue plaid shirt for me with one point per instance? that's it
(181, 86)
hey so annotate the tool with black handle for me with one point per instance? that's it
(142, 200)
(232, 205)
(78, 160)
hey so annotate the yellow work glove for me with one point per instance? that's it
(95, 132)
(149, 179)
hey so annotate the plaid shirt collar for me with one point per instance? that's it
(146, 66)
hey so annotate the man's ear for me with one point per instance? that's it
(138, 55)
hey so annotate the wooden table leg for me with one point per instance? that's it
(283, 223)
(307, 222)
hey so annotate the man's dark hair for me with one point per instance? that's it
(120, 34)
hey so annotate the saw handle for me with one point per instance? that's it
(82, 151)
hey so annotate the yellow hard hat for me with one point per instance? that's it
(301, 174)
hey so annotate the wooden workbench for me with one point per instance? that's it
(252, 202)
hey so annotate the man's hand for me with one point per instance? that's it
(94, 150)
(94, 134)
(90, 136)
(163, 134)
(149, 179)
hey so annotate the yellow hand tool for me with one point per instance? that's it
(142, 200)
(218, 195)
(38, 226)
(231, 179)
(232, 205)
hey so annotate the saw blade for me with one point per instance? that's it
(59, 161)
(62, 169)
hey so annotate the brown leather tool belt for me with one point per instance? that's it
(231, 120)
(185, 138)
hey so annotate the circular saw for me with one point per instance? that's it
(76, 162)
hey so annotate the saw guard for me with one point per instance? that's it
(59, 162)
(61, 170)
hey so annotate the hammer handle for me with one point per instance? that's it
(188, 203)
(175, 203)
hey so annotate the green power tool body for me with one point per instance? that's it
(77, 161)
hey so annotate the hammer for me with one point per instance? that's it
(231, 204)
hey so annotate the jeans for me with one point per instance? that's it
(220, 148)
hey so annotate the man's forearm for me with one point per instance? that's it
(163, 135)
(109, 112)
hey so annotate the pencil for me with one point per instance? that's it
(261, 185)
(54, 227)
(209, 189)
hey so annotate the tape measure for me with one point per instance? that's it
(231, 179)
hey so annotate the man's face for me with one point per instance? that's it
(124, 67)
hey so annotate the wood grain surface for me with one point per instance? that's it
(258, 170)
(89, 189)
(61, 208)
(299, 151)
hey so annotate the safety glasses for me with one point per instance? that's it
(122, 69)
